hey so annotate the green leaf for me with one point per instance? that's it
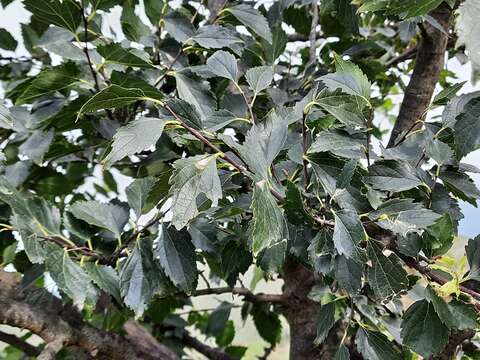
(267, 323)
(294, 207)
(348, 273)
(349, 78)
(112, 97)
(276, 48)
(217, 321)
(193, 177)
(472, 251)
(455, 314)
(70, 277)
(133, 28)
(48, 81)
(447, 94)
(404, 8)
(176, 256)
(396, 176)
(262, 144)
(107, 216)
(105, 277)
(137, 193)
(178, 26)
(422, 329)
(259, 78)
(252, 19)
(403, 216)
(116, 54)
(348, 109)
(348, 234)
(135, 137)
(215, 37)
(342, 353)
(223, 64)
(196, 93)
(6, 119)
(375, 346)
(7, 42)
(325, 322)
(154, 10)
(461, 185)
(467, 129)
(141, 278)
(66, 14)
(37, 145)
(467, 26)
(268, 225)
(340, 143)
(127, 80)
(347, 174)
(439, 151)
(385, 275)
(187, 112)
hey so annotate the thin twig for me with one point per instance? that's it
(87, 54)
(246, 293)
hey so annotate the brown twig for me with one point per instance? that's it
(241, 291)
(19, 344)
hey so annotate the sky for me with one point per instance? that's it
(14, 14)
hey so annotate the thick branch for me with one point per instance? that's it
(428, 65)
(62, 326)
(456, 339)
(20, 344)
(246, 293)
(210, 352)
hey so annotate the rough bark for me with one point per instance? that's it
(302, 314)
(62, 326)
(429, 63)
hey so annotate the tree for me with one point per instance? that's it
(245, 145)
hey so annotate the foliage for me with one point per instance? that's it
(241, 152)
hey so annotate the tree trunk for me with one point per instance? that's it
(302, 315)
(428, 65)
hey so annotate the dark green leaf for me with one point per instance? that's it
(348, 273)
(393, 176)
(215, 37)
(193, 177)
(7, 42)
(325, 322)
(48, 81)
(223, 64)
(422, 329)
(133, 28)
(70, 277)
(375, 346)
(116, 54)
(349, 234)
(107, 216)
(385, 275)
(135, 137)
(473, 256)
(252, 19)
(106, 278)
(467, 129)
(141, 278)
(137, 193)
(268, 225)
(176, 256)
(66, 14)
(349, 78)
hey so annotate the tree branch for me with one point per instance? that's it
(210, 352)
(61, 325)
(456, 339)
(19, 344)
(428, 65)
(246, 293)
